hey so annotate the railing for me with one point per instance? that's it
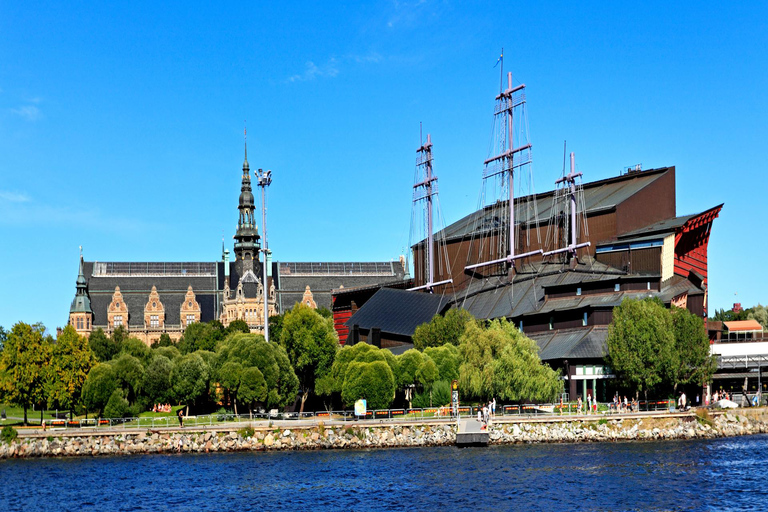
(552, 410)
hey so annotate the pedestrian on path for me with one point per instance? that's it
(181, 417)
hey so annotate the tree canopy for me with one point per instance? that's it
(24, 366)
(442, 330)
(691, 361)
(499, 361)
(311, 344)
(69, 366)
(640, 343)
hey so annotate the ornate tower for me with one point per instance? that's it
(80, 312)
(247, 236)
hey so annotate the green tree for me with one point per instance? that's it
(130, 375)
(325, 313)
(228, 377)
(117, 405)
(99, 385)
(102, 346)
(409, 363)
(362, 353)
(24, 365)
(250, 350)
(443, 330)
(3, 337)
(446, 357)
(691, 361)
(640, 344)
(759, 313)
(253, 387)
(372, 381)
(237, 326)
(137, 349)
(157, 379)
(72, 360)
(170, 352)
(498, 360)
(163, 341)
(311, 344)
(276, 326)
(190, 377)
(200, 336)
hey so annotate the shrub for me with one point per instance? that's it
(441, 393)
(8, 434)
(373, 381)
(246, 432)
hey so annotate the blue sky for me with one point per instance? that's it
(121, 126)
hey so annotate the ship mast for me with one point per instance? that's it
(426, 190)
(507, 101)
(570, 180)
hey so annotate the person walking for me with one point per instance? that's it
(493, 407)
(181, 417)
(579, 404)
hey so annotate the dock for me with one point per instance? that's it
(471, 433)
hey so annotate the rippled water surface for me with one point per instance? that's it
(679, 475)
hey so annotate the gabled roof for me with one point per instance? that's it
(398, 311)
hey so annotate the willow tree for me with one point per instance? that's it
(641, 344)
(499, 361)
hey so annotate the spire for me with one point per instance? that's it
(246, 167)
(247, 235)
(81, 303)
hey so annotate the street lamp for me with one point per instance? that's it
(264, 179)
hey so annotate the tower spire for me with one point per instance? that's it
(247, 235)
(245, 142)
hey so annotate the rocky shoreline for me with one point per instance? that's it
(361, 436)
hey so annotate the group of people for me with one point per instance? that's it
(591, 404)
(486, 412)
(161, 408)
(624, 405)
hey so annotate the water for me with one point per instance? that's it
(723, 474)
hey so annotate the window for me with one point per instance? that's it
(88, 323)
(648, 285)
(584, 320)
(118, 320)
(154, 321)
(190, 319)
(189, 304)
(617, 287)
(79, 323)
(578, 290)
(551, 321)
(521, 326)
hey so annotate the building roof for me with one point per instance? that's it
(598, 195)
(398, 311)
(578, 343)
(743, 326)
(667, 226)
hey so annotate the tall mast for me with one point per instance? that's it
(570, 179)
(507, 101)
(426, 189)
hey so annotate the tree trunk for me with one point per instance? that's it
(674, 390)
(25, 414)
(303, 399)
(41, 416)
(234, 402)
(187, 413)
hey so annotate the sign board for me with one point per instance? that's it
(360, 407)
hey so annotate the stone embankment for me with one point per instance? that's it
(503, 431)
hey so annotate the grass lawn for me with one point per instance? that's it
(12, 411)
